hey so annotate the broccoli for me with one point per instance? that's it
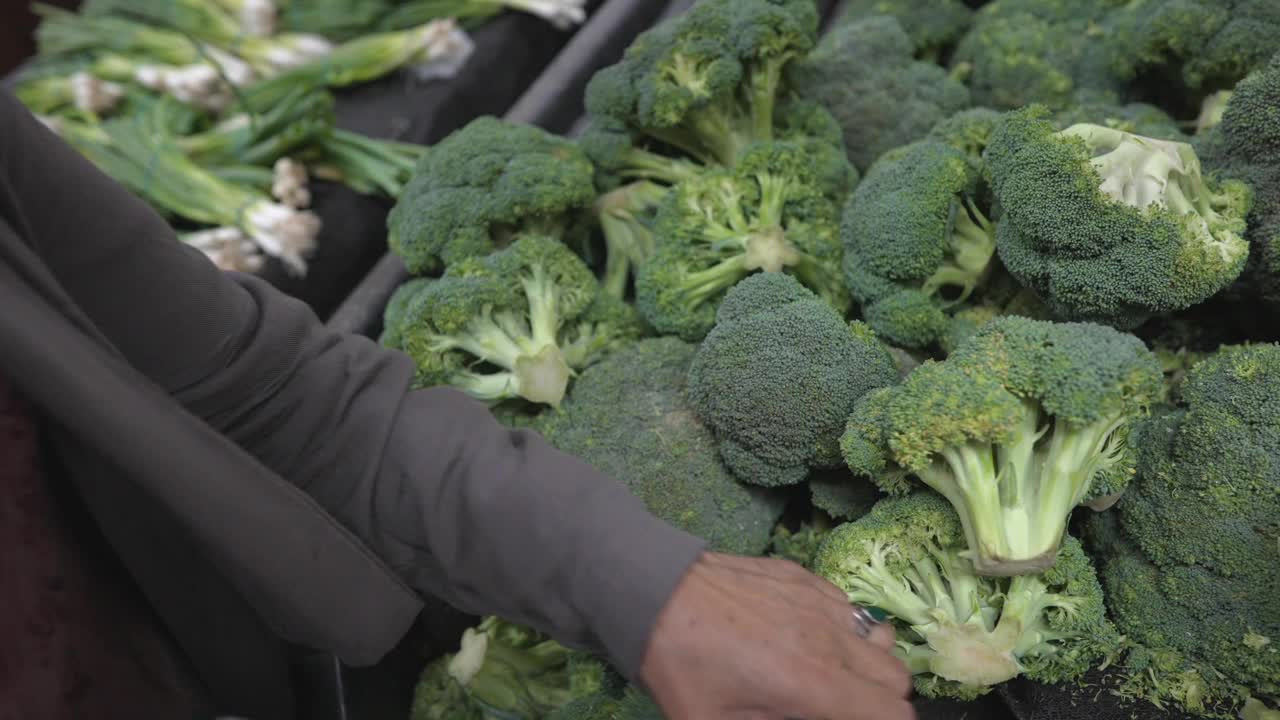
(505, 670)
(1246, 145)
(1203, 517)
(1038, 51)
(777, 377)
(1111, 227)
(961, 633)
(865, 75)
(840, 495)
(706, 83)
(808, 124)
(917, 241)
(968, 131)
(515, 324)
(629, 416)
(1136, 118)
(932, 26)
(767, 214)
(626, 217)
(1001, 297)
(1203, 45)
(592, 707)
(393, 316)
(619, 159)
(1019, 425)
(483, 185)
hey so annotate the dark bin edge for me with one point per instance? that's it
(552, 102)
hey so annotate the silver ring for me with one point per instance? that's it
(863, 622)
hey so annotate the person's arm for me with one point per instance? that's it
(491, 520)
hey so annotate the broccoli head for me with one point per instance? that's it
(841, 495)
(932, 26)
(1111, 227)
(961, 633)
(515, 324)
(505, 670)
(629, 416)
(394, 314)
(767, 214)
(917, 241)
(1019, 425)
(706, 83)
(777, 377)
(1136, 118)
(1246, 145)
(483, 185)
(1020, 52)
(865, 75)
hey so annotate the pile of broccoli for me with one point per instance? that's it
(971, 308)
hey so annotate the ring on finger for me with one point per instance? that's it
(863, 622)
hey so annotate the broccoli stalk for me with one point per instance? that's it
(628, 240)
(967, 264)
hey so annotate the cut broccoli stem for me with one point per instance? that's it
(1134, 170)
(770, 251)
(970, 246)
(1014, 499)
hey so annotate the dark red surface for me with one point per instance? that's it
(77, 642)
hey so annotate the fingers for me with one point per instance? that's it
(883, 637)
(830, 695)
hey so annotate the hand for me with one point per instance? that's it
(756, 638)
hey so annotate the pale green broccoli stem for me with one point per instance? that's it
(541, 370)
(1014, 498)
(763, 87)
(722, 129)
(698, 287)
(528, 681)
(628, 242)
(874, 584)
(970, 247)
(641, 164)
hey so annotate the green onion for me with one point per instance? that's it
(367, 165)
(302, 118)
(563, 14)
(80, 91)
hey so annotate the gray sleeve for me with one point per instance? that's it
(491, 520)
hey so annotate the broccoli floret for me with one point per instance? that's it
(968, 131)
(777, 377)
(841, 495)
(1246, 145)
(1001, 297)
(933, 26)
(1204, 45)
(865, 74)
(504, 669)
(1212, 108)
(1038, 51)
(800, 545)
(638, 705)
(629, 416)
(483, 185)
(808, 124)
(1111, 227)
(767, 214)
(393, 316)
(618, 157)
(917, 241)
(515, 324)
(958, 632)
(1135, 118)
(706, 83)
(626, 217)
(1018, 426)
(592, 707)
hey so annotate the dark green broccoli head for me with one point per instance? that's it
(767, 214)
(865, 74)
(629, 416)
(933, 26)
(592, 707)
(1038, 51)
(959, 632)
(514, 324)
(968, 131)
(809, 124)
(1111, 227)
(777, 376)
(484, 184)
(841, 495)
(1246, 145)
(706, 82)
(1022, 423)
(1203, 45)
(916, 240)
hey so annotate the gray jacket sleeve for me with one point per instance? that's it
(491, 520)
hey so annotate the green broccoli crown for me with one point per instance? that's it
(1112, 227)
(809, 124)
(1210, 44)
(1134, 118)
(914, 235)
(629, 416)
(881, 97)
(393, 316)
(1038, 51)
(841, 495)
(777, 376)
(482, 185)
(1022, 423)
(514, 324)
(968, 131)
(706, 82)
(505, 670)
(932, 26)
(766, 214)
(959, 632)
